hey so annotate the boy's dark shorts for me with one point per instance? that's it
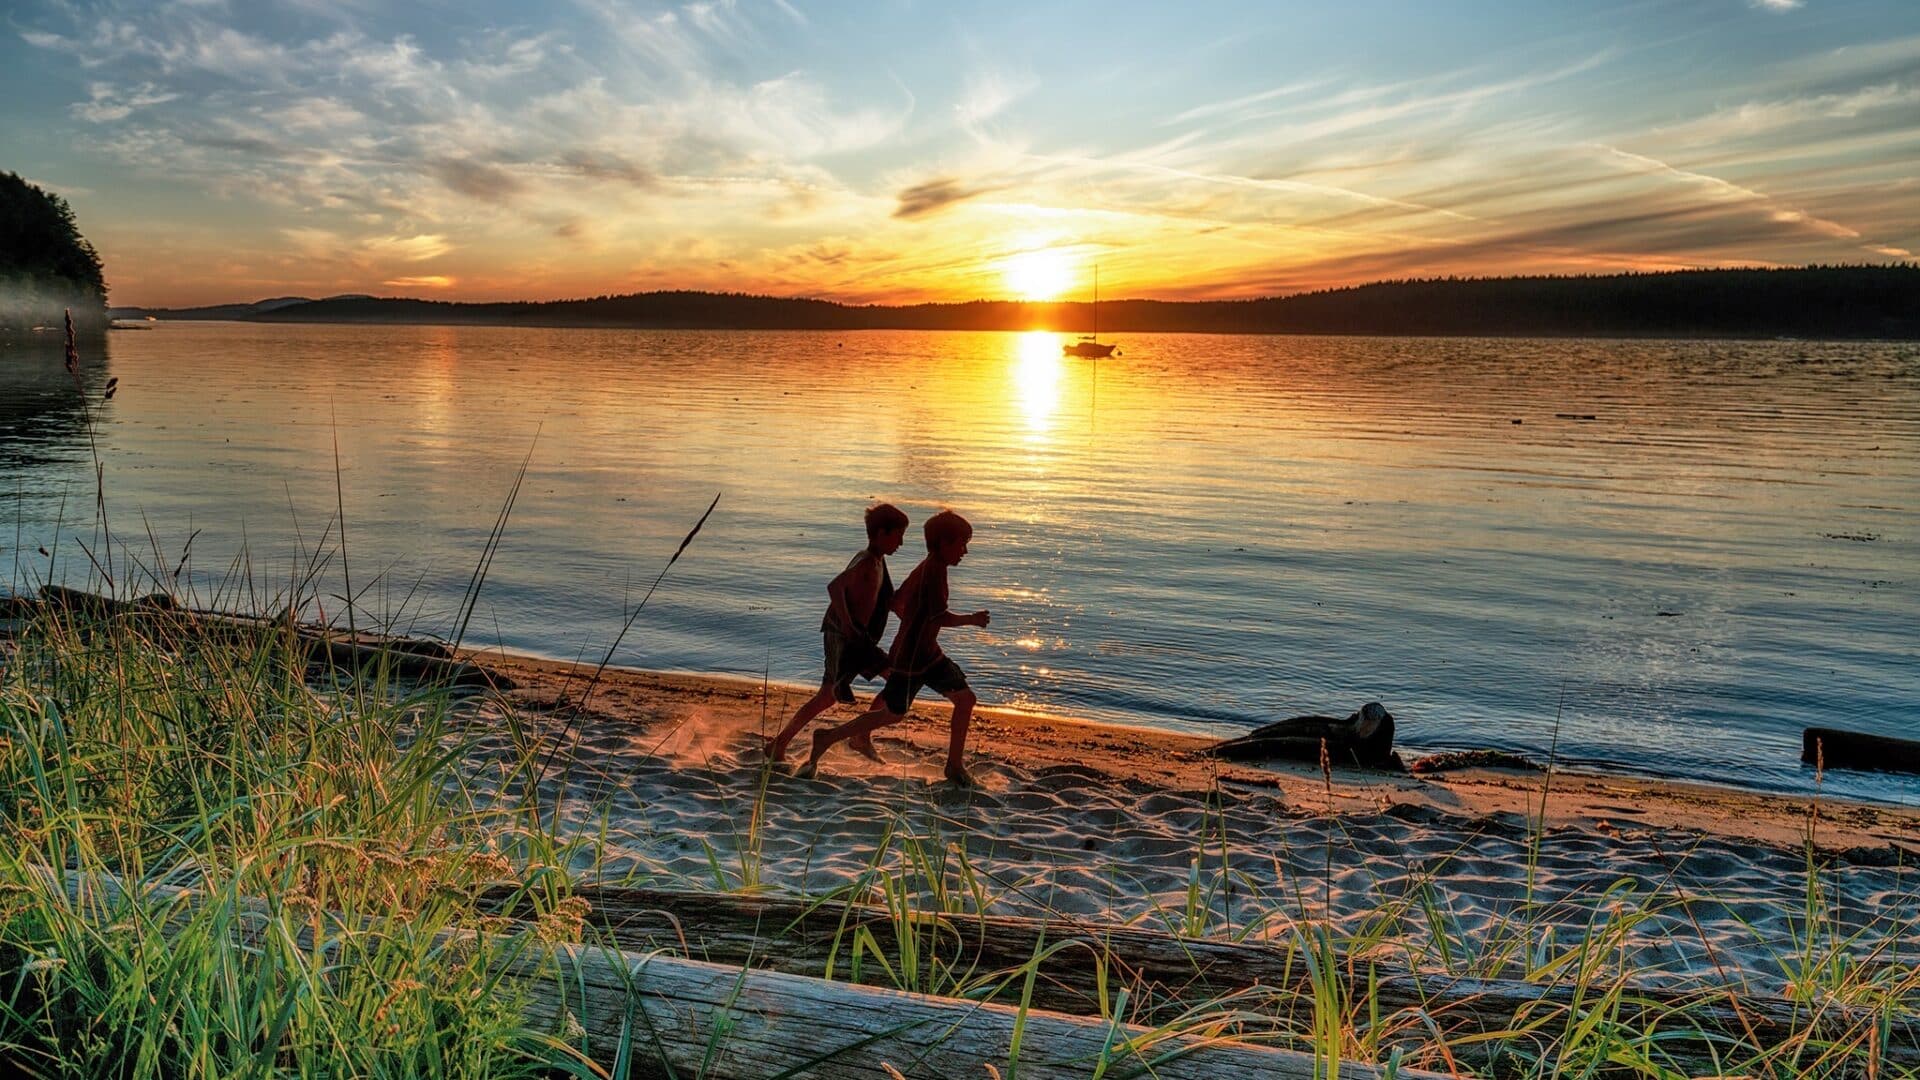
(848, 659)
(944, 677)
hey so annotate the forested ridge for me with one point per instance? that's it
(1819, 301)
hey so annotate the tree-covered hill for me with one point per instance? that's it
(45, 264)
(1811, 302)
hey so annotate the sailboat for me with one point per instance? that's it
(1089, 345)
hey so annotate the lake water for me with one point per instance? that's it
(1669, 556)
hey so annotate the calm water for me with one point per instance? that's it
(1205, 532)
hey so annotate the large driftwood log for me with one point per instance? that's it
(803, 937)
(692, 1018)
(400, 657)
(1836, 749)
(1364, 738)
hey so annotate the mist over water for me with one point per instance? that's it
(1204, 533)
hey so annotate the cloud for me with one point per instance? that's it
(410, 248)
(430, 281)
(314, 243)
(988, 93)
(105, 103)
(1775, 5)
(477, 179)
(604, 165)
(1239, 104)
(933, 196)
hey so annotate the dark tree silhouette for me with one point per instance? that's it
(45, 264)
(1875, 301)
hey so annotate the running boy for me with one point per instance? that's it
(916, 657)
(857, 605)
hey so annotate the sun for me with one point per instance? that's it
(1038, 275)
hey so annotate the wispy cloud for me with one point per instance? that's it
(410, 248)
(106, 103)
(477, 179)
(932, 196)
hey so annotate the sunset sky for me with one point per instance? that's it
(893, 151)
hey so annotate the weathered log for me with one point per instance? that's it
(803, 937)
(400, 657)
(1364, 738)
(692, 1018)
(1836, 749)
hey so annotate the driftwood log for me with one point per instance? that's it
(1836, 749)
(693, 1018)
(803, 937)
(1364, 739)
(400, 657)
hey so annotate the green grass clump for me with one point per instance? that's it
(211, 868)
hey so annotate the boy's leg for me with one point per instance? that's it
(860, 728)
(947, 678)
(963, 702)
(812, 707)
(834, 648)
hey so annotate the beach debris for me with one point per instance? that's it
(1450, 760)
(1575, 416)
(1173, 970)
(401, 657)
(1831, 748)
(769, 1022)
(1364, 738)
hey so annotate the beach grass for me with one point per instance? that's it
(333, 832)
(326, 856)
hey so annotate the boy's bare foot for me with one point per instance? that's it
(811, 768)
(776, 750)
(863, 745)
(959, 777)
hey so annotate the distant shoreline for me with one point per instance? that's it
(1862, 303)
(1489, 335)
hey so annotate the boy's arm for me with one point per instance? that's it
(952, 618)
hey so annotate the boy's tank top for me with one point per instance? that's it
(882, 600)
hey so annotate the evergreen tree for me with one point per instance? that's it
(45, 264)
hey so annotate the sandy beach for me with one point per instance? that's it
(1685, 883)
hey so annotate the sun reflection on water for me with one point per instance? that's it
(1036, 379)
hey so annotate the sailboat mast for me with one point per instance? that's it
(1096, 301)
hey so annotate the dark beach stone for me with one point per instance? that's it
(1365, 739)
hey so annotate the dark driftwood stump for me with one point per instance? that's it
(1364, 739)
(1837, 749)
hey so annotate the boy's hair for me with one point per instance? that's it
(947, 525)
(883, 518)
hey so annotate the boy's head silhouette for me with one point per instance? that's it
(886, 527)
(947, 536)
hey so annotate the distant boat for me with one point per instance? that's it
(1089, 345)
